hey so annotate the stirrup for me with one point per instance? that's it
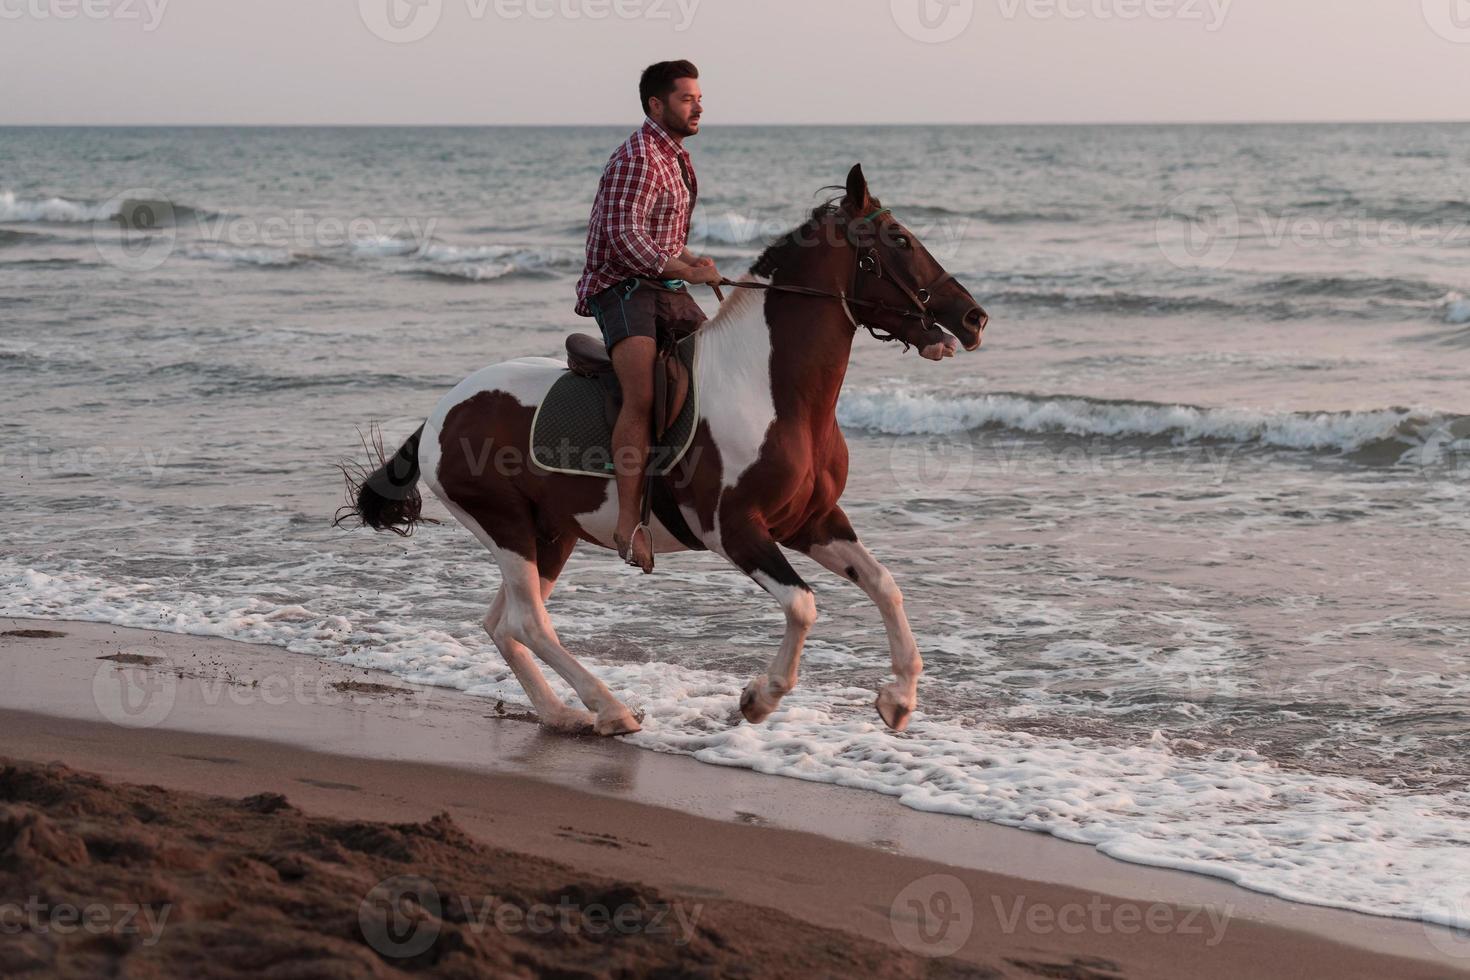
(625, 548)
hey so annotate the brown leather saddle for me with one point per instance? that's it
(586, 356)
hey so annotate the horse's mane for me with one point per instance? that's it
(765, 266)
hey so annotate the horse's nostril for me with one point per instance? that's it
(975, 318)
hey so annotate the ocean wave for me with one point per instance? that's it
(50, 263)
(261, 255)
(61, 210)
(733, 228)
(52, 209)
(1129, 303)
(385, 245)
(912, 213)
(1282, 299)
(482, 263)
(9, 236)
(1390, 433)
(234, 378)
(1409, 290)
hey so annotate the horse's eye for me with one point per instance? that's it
(901, 242)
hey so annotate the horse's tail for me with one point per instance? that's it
(387, 499)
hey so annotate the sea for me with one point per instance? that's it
(1184, 545)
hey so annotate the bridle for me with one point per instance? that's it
(868, 262)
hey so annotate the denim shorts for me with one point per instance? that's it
(639, 308)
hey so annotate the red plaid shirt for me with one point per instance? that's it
(640, 218)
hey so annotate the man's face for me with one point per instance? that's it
(680, 113)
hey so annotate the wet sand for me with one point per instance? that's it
(773, 876)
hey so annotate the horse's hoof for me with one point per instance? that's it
(571, 722)
(755, 704)
(622, 723)
(894, 711)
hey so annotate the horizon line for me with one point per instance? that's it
(908, 124)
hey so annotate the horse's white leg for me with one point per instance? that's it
(846, 556)
(525, 621)
(549, 707)
(762, 560)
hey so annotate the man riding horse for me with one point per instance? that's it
(637, 236)
(763, 474)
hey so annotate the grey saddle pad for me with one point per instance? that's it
(571, 432)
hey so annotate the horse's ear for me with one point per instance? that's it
(857, 200)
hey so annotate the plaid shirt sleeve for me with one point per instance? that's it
(632, 190)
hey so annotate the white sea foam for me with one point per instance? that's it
(385, 245)
(1327, 840)
(245, 254)
(732, 228)
(904, 413)
(485, 262)
(55, 209)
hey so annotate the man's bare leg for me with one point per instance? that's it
(632, 359)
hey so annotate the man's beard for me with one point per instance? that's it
(677, 126)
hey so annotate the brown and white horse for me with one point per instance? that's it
(765, 471)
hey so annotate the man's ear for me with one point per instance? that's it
(857, 200)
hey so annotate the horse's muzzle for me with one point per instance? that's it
(971, 328)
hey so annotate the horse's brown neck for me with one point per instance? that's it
(811, 338)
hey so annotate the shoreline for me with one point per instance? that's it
(344, 742)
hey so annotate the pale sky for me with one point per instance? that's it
(761, 61)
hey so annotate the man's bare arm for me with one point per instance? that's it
(691, 268)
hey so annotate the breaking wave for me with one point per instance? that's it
(480, 263)
(61, 210)
(1394, 431)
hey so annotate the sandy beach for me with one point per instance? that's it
(223, 808)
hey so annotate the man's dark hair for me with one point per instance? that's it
(658, 80)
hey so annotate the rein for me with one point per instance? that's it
(867, 261)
